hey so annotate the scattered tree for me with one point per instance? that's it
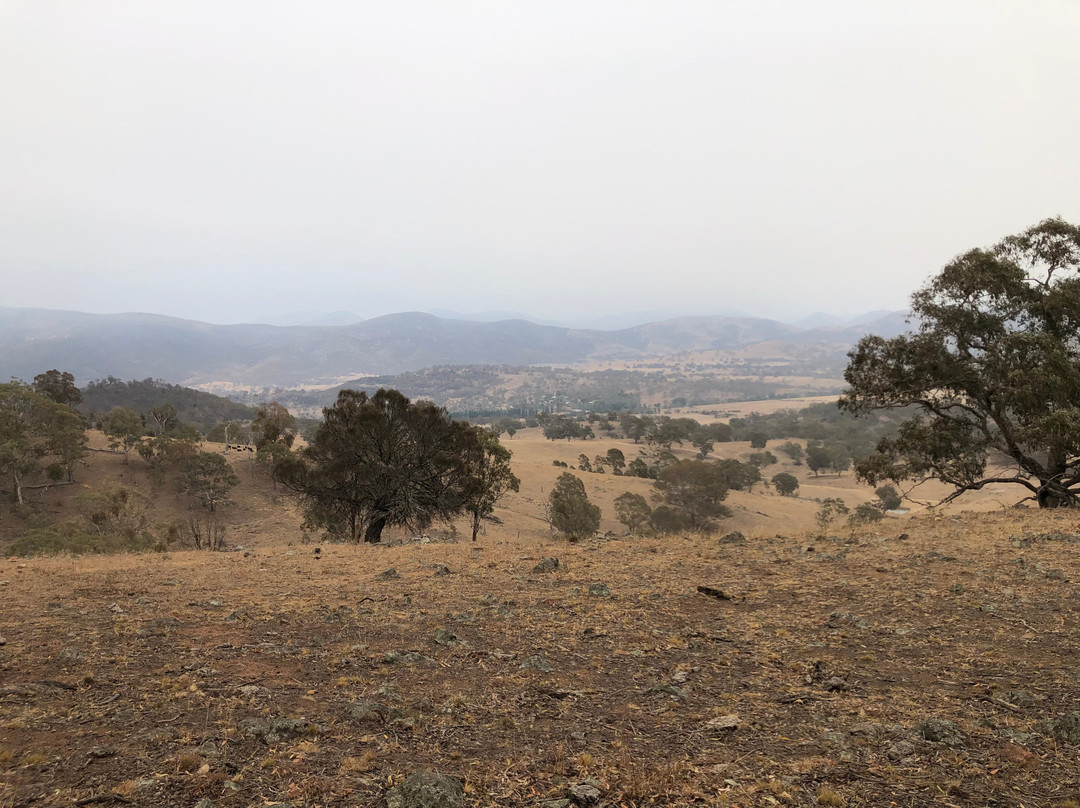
(695, 489)
(208, 478)
(123, 426)
(488, 463)
(273, 424)
(570, 511)
(865, 513)
(632, 511)
(792, 450)
(786, 485)
(831, 509)
(888, 498)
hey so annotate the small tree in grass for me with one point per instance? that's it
(633, 511)
(785, 484)
(570, 510)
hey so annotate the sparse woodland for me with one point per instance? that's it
(706, 604)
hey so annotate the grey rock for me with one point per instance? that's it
(366, 711)
(252, 691)
(846, 620)
(101, 752)
(71, 654)
(277, 730)
(836, 685)
(599, 591)
(669, 690)
(900, 751)
(441, 569)
(427, 790)
(584, 794)
(1065, 729)
(448, 638)
(939, 730)
(1021, 698)
(388, 575)
(3, 641)
(723, 724)
(547, 565)
(734, 537)
(536, 663)
(868, 729)
(957, 589)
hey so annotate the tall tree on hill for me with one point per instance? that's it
(382, 461)
(569, 508)
(58, 386)
(33, 427)
(993, 370)
(123, 426)
(488, 464)
(273, 423)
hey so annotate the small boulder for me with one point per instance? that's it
(584, 794)
(734, 537)
(446, 637)
(547, 565)
(1065, 729)
(536, 663)
(724, 723)
(388, 575)
(939, 730)
(427, 790)
(599, 591)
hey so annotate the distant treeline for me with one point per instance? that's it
(501, 390)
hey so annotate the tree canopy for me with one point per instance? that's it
(383, 460)
(992, 373)
(570, 509)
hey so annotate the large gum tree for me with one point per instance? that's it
(990, 379)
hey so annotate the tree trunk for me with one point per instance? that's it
(475, 524)
(18, 486)
(373, 534)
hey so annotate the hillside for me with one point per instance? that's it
(203, 410)
(93, 346)
(922, 661)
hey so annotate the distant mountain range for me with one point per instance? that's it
(137, 346)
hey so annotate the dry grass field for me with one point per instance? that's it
(923, 661)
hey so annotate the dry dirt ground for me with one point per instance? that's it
(932, 668)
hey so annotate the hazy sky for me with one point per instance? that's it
(222, 160)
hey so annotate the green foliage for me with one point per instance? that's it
(758, 439)
(666, 520)
(833, 457)
(632, 511)
(694, 489)
(993, 370)
(786, 485)
(738, 476)
(570, 511)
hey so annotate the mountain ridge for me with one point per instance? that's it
(143, 345)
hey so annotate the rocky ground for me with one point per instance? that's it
(928, 662)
